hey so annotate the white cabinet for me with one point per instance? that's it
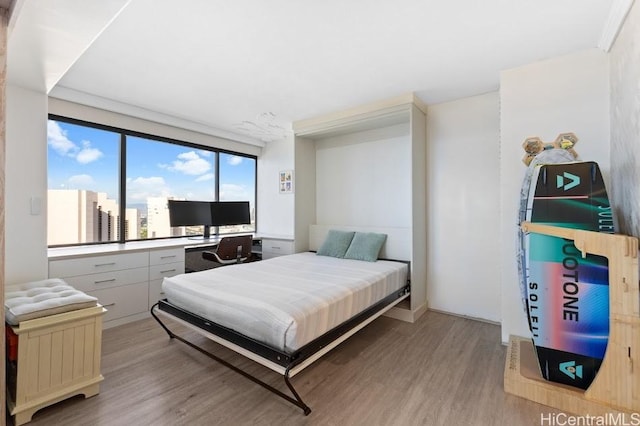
(127, 283)
(93, 282)
(123, 302)
(119, 281)
(163, 263)
(273, 247)
(163, 256)
(97, 263)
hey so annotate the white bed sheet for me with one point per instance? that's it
(286, 301)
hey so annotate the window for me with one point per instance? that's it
(90, 201)
(158, 171)
(83, 191)
(238, 183)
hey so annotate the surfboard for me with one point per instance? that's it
(566, 295)
(550, 156)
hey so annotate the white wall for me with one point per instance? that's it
(625, 125)
(26, 178)
(305, 196)
(275, 210)
(463, 197)
(376, 162)
(564, 94)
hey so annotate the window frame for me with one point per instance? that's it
(122, 176)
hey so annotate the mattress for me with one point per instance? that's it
(286, 301)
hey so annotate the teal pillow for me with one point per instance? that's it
(365, 246)
(335, 243)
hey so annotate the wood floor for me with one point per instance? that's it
(442, 370)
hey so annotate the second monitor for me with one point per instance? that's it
(208, 213)
(225, 213)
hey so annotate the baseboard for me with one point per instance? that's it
(467, 317)
(406, 314)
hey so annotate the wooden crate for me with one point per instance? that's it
(58, 357)
(616, 387)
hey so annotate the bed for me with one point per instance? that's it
(285, 312)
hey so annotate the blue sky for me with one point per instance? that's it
(81, 157)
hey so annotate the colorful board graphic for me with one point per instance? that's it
(567, 296)
(550, 156)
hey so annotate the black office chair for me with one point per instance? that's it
(230, 250)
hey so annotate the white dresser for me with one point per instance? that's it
(273, 247)
(126, 283)
(163, 263)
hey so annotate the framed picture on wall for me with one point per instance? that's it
(286, 182)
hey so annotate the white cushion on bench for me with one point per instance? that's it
(42, 298)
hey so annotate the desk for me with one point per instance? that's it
(265, 246)
(277, 243)
(194, 261)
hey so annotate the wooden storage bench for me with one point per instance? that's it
(58, 356)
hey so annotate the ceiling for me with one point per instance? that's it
(248, 69)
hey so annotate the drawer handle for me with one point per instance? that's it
(109, 304)
(97, 265)
(104, 281)
(167, 257)
(275, 247)
(168, 270)
(162, 293)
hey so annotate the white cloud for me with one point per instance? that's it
(189, 156)
(234, 160)
(190, 163)
(81, 182)
(88, 154)
(60, 143)
(140, 188)
(229, 191)
(58, 140)
(206, 177)
(204, 153)
(153, 180)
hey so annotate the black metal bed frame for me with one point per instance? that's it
(286, 360)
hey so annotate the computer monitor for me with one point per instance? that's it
(225, 213)
(190, 213)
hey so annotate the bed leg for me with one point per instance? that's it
(297, 401)
(305, 408)
(169, 332)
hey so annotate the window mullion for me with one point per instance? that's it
(123, 188)
(216, 229)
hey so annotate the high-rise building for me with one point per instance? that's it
(80, 216)
(133, 224)
(158, 224)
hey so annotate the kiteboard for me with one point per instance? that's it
(566, 296)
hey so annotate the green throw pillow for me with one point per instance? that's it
(335, 243)
(365, 246)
